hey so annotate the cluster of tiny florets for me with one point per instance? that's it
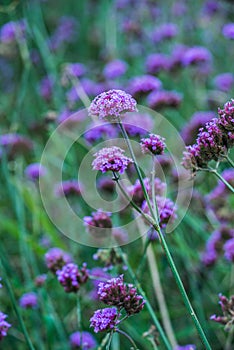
(4, 325)
(227, 306)
(213, 140)
(115, 292)
(104, 319)
(98, 219)
(71, 277)
(56, 258)
(154, 144)
(112, 104)
(111, 159)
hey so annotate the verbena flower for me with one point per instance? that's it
(71, 277)
(165, 31)
(154, 144)
(196, 55)
(104, 320)
(14, 145)
(34, 171)
(157, 62)
(137, 124)
(56, 258)
(40, 280)
(111, 159)
(98, 220)
(185, 347)
(12, 30)
(229, 250)
(224, 81)
(28, 300)
(166, 209)
(191, 129)
(112, 104)
(97, 131)
(163, 99)
(88, 341)
(228, 30)
(4, 325)
(227, 306)
(144, 84)
(136, 191)
(115, 69)
(115, 292)
(68, 188)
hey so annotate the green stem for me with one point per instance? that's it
(213, 171)
(125, 135)
(148, 305)
(182, 290)
(109, 340)
(155, 206)
(128, 337)
(230, 161)
(14, 303)
(79, 318)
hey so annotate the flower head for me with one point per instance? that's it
(28, 300)
(88, 341)
(56, 258)
(115, 69)
(4, 325)
(228, 30)
(68, 188)
(34, 171)
(144, 84)
(185, 347)
(196, 55)
(163, 99)
(115, 292)
(112, 104)
(99, 220)
(154, 144)
(227, 306)
(166, 209)
(71, 277)
(229, 250)
(111, 159)
(104, 320)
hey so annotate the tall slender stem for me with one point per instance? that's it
(79, 318)
(229, 160)
(220, 177)
(14, 303)
(148, 305)
(127, 336)
(182, 290)
(160, 296)
(155, 206)
(125, 135)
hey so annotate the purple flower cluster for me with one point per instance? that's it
(56, 258)
(104, 320)
(185, 347)
(163, 99)
(116, 293)
(34, 171)
(112, 104)
(137, 124)
(115, 69)
(40, 280)
(224, 81)
(220, 241)
(191, 129)
(29, 300)
(99, 220)
(111, 159)
(64, 33)
(141, 85)
(68, 188)
(4, 325)
(154, 144)
(97, 131)
(228, 31)
(157, 62)
(166, 209)
(71, 277)
(136, 192)
(196, 55)
(227, 306)
(12, 30)
(85, 338)
(165, 31)
(14, 144)
(213, 140)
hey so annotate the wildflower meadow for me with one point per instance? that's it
(117, 175)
